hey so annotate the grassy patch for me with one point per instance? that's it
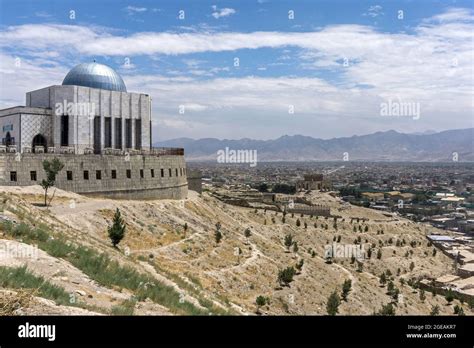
(127, 307)
(21, 278)
(105, 271)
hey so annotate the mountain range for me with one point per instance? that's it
(444, 146)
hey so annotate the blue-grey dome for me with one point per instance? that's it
(95, 75)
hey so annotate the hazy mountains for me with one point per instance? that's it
(380, 146)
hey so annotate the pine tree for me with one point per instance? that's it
(288, 241)
(346, 288)
(218, 236)
(295, 247)
(299, 265)
(117, 230)
(379, 254)
(185, 228)
(422, 295)
(260, 301)
(285, 276)
(387, 309)
(383, 279)
(434, 310)
(332, 307)
(247, 233)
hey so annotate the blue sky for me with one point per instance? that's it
(334, 64)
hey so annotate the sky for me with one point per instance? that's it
(257, 69)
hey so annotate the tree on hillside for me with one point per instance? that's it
(422, 295)
(52, 168)
(285, 276)
(238, 251)
(383, 279)
(332, 307)
(299, 266)
(434, 310)
(247, 233)
(346, 288)
(117, 230)
(288, 241)
(298, 223)
(387, 309)
(185, 228)
(218, 236)
(260, 301)
(295, 247)
(379, 254)
(449, 296)
(459, 310)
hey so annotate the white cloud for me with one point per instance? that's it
(133, 9)
(431, 65)
(374, 11)
(221, 12)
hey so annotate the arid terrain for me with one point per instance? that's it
(163, 268)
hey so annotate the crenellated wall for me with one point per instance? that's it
(140, 185)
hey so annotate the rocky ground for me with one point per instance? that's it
(215, 277)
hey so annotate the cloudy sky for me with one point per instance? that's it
(256, 69)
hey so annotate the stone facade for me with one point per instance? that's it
(123, 177)
(195, 180)
(94, 117)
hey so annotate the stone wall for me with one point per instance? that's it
(145, 182)
(195, 180)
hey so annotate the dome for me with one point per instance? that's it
(95, 75)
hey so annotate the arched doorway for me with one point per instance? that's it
(39, 140)
(8, 139)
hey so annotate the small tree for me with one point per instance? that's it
(412, 266)
(117, 230)
(449, 296)
(288, 241)
(218, 236)
(332, 307)
(383, 279)
(458, 310)
(260, 301)
(185, 228)
(247, 233)
(238, 251)
(285, 276)
(52, 168)
(295, 247)
(299, 265)
(434, 310)
(379, 254)
(298, 223)
(387, 309)
(346, 288)
(422, 295)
